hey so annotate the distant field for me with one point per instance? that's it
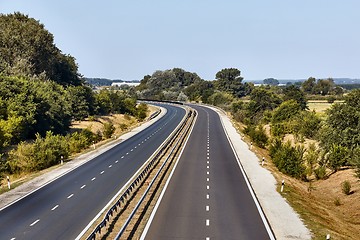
(320, 106)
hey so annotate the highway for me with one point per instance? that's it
(207, 196)
(63, 208)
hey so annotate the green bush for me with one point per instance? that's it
(288, 159)
(346, 187)
(331, 99)
(43, 153)
(108, 130)
(257, 135)
(320, 172)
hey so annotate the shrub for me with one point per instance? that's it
(92, 118)
(346, 187)
(288, 159)
(108, 130)
(331, 99)
(141, 111)
(320, 172)
(337, 201)
(43, 153)
(123, 126)
(337, 157)
(257, 135)
(81, 140)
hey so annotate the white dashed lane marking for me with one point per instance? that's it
(70, 196)
(35, 222)
(55, 207)
(116, 161)
(93, 178)
(102, 172)
(207, 208)
(83, 186)
(207, 222)
(110, 166)
(207, 196)
(208, 187)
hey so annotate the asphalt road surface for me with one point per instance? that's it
(207, 197)
(63, 208)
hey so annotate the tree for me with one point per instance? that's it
(271, 81)
(309, 85)
(285, 111)
(295, 93)
(229, 80)
(337, 157)
(82, 100)
(28, 49)
(262, 99)
(324, 86)
(220, 98)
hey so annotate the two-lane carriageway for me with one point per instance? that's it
(64, 207)
(207, 196)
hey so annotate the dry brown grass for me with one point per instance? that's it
(320, 106)
(116, 119)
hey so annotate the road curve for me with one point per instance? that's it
(207, 196)
(62, 209)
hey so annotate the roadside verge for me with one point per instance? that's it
(34, 184)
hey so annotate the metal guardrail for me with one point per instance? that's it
(127, 194)
(174, 148)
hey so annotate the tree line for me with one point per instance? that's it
(41, 93)
(283, 109)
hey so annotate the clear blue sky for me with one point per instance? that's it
(284, 39)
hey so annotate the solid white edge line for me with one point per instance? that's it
(120, 191)
(147, 227)
(261, 213)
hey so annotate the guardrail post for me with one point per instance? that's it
(282, 185)
(8, 182)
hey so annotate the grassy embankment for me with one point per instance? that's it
(322, 205)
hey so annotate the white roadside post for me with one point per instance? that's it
(263, 161)
(282, 185)
(328, 237)
(94, 144)
(8, 182)
(62, 160)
